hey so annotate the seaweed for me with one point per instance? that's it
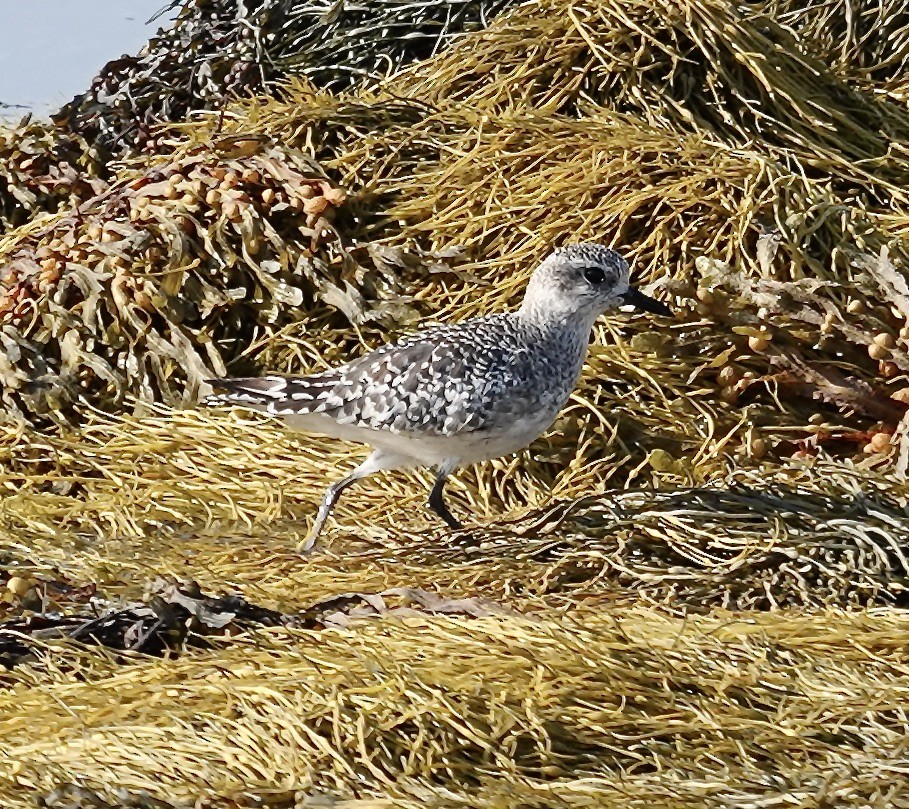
(690, 592)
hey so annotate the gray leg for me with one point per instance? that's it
(436, 501)
(332, 495)
(376, 462)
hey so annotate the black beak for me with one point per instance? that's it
(637, 299)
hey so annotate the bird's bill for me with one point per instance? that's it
(637, 299)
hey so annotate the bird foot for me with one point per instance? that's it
(309, 542)
(305, 548)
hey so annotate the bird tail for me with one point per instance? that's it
(258, 391)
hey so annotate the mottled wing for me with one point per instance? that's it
(442, 381)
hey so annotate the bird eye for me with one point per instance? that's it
(594, 275)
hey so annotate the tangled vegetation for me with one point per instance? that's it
(690, 592)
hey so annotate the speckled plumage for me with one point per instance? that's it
(472, 377)
(457, 394)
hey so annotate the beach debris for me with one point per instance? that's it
(175, 614)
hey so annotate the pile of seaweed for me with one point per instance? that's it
(691, 591)
(589, 707)
(169, 273)
(216, 51)
(43, 170)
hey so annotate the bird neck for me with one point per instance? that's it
(567, 336)
(548, 318)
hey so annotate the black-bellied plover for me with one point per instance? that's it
(457, 394)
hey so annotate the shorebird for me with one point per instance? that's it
(454, 395)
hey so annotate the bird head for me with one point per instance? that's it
(584, 281)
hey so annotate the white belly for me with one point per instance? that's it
(431, 450)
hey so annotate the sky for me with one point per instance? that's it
(51, 49)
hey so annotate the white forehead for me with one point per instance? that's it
(564, 266)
